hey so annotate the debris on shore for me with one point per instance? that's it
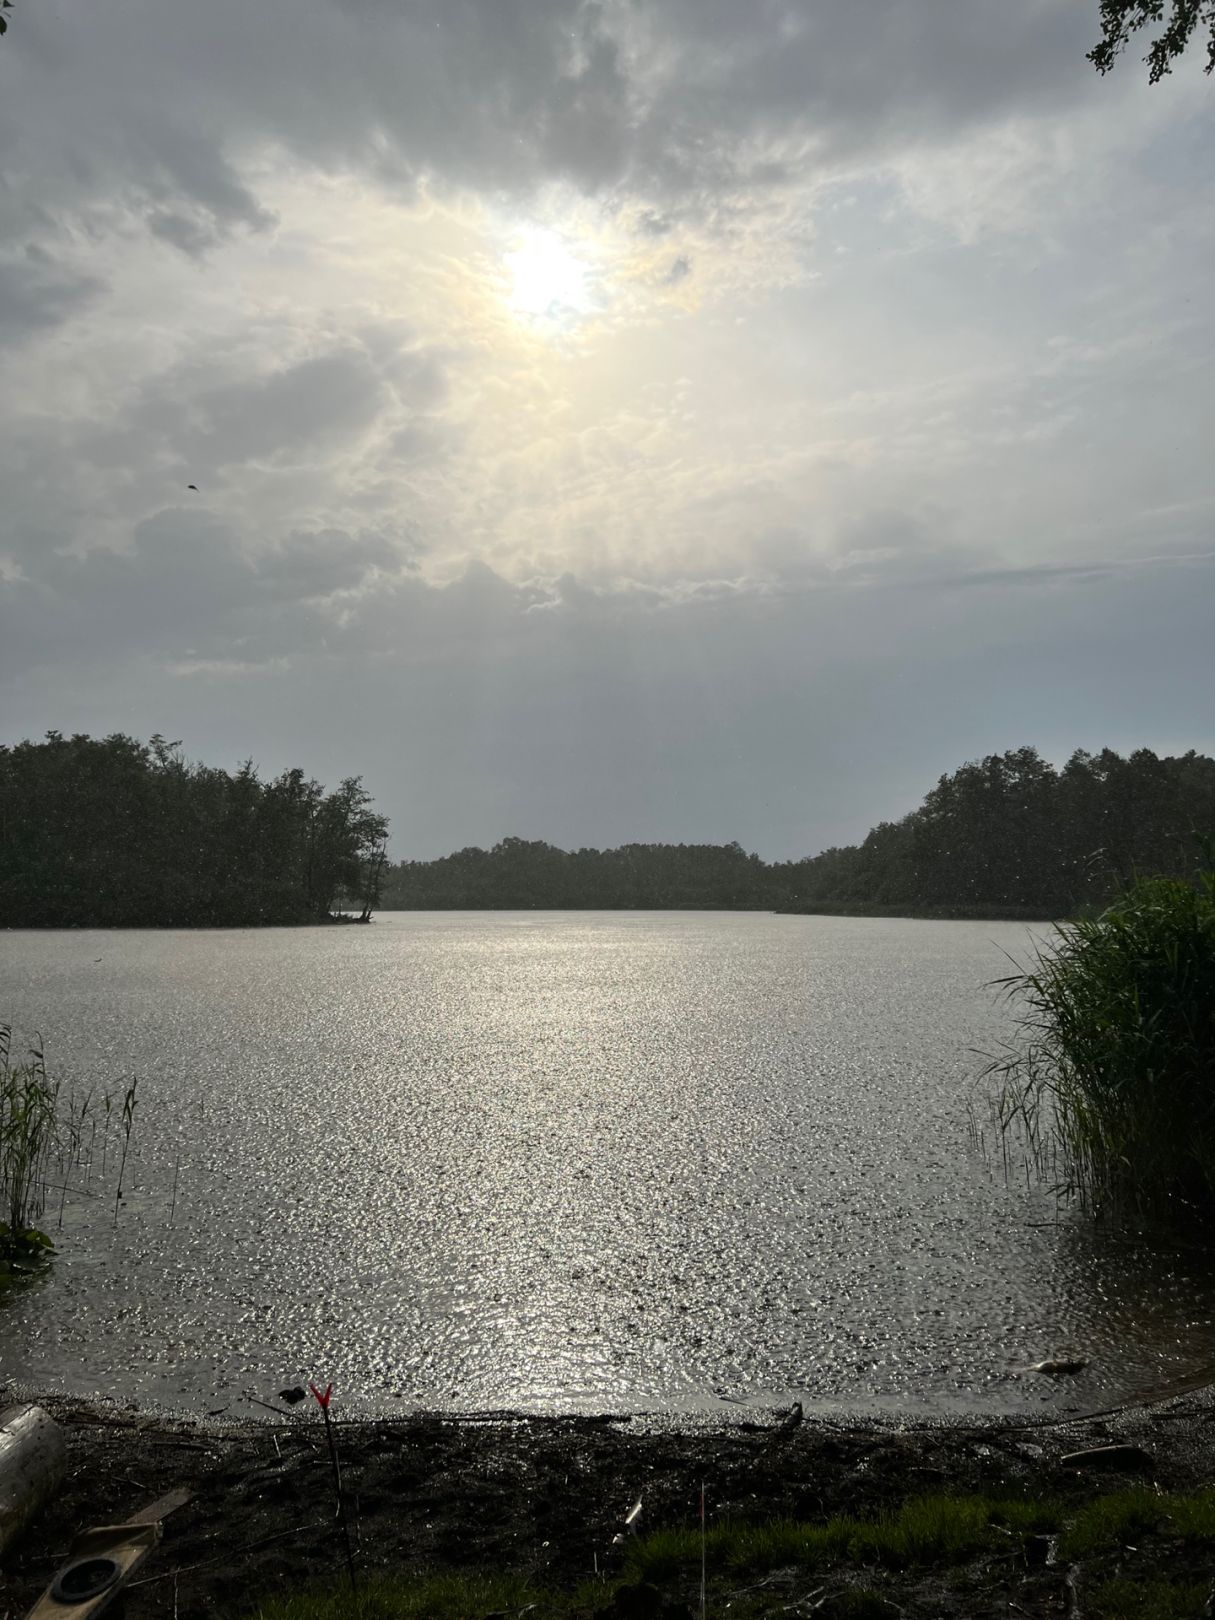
(543, 1497)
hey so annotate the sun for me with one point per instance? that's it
(547, 280)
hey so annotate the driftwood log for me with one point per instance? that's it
(33, 1458)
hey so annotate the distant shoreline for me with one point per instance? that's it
(921, 914)
(930, 913)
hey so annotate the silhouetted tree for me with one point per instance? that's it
(116, 833)
(1007, 835)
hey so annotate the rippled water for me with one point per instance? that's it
(567, 1160)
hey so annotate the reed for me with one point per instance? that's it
(1110, 1075)
(28, 1137)
(48, 1139)
(128, 1123)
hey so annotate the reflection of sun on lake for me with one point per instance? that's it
(597, 1161)
(547, 279)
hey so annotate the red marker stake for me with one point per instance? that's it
(323, 1402)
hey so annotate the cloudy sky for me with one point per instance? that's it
(631, 419)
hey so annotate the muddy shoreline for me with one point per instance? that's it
(540, 1496)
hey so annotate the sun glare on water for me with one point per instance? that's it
(547, 280)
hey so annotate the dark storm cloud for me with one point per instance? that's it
(218, 411)
(193, 236)
(324, 399)
(189, 585)
(36, 294)
(320, 565)
(672, 98)
(184, 578)
(187, 590)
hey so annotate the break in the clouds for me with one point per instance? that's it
(608, 420)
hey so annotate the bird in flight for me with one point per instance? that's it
(194, 487)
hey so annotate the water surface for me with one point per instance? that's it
(563, 1161)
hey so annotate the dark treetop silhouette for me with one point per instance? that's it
(1007, 836)
(114, 833)
(117, 833)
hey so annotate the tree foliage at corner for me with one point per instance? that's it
(1122, 18)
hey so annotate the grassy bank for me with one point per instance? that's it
(941, 1553)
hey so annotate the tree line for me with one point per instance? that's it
(1011, 835)
(1008, 835)
(115, 833)
(516, 874)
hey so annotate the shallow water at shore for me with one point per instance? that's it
(565, 1161)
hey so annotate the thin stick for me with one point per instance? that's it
(249, 1546)
(333, 1456)
(128, 1120)
(702, 1550)
(281, 1410)
(337, 1479)
(323, 1402)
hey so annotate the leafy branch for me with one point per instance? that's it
(1121, 18)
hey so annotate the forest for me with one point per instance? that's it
(1006, 836)
(117, 833)
(114, 833)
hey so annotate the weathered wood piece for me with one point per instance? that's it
(33, 1458)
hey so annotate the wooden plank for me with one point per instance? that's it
(162, 1506)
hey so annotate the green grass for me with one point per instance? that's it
(1124, 1516)
(456, 1597)
(399, 1597)
(1148, 1600)
(860, 1603)
(462, 1597)
(927, 1532)
(1116, 1051)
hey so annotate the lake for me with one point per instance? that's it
(566, 1161)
